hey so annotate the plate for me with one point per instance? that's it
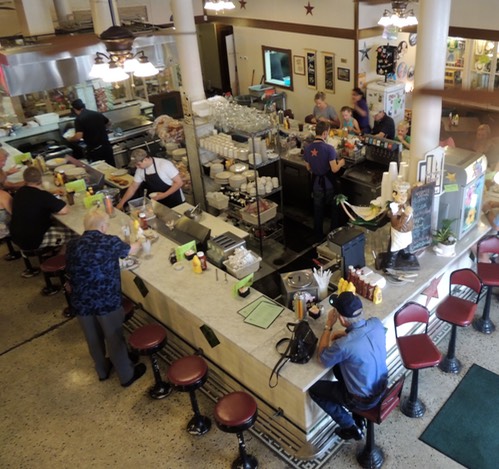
(129, 263)
(55, 162)
(76, 172)
(65, 167)
(151, 235)
(119, 172)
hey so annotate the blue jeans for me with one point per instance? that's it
(321, 201)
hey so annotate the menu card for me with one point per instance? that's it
(262, 312)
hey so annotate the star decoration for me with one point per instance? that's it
(314, 152)
(243, 4)
(309, 9)
(365, 52)
(431, 291)
(451, 177)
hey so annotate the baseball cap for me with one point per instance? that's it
(137, 156)
(347, 304)
(376, 108)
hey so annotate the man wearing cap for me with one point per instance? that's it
(91, 126)
(384, 125)
(160, 178)
(358, 358)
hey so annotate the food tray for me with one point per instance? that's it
(265, 216)
(247, 269)
(136, 206)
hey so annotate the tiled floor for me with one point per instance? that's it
(54, 413)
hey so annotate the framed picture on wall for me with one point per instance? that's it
(311, 65)
(299, 64)
(343, 74)
(329, 72)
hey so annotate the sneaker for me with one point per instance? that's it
(28, 273)
(360, 422)
(138, 372)
(349, 433)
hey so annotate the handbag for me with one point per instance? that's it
(300, 349)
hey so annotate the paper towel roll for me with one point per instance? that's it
(263, 150)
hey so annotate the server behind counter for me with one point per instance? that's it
(91, 126)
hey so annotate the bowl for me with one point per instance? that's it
(193, 214)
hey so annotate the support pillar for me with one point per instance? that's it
(64, 11)
(104, 15)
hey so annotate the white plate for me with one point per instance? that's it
(129, 263)
(119, 172)
(75, 172)
(65, 167)
(54, 162)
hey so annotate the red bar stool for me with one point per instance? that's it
(188, 374)
(489, 274)
(417, 351)
(458, 309)
(53, 267)
(148, 340)
(235, 413)
(371, 456)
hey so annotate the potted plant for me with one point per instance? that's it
(445, 238)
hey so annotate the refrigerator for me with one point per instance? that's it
(463, 182)
(391, 94)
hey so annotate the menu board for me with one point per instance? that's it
(386, 60)
(311, 70)
(422, 206)
(329, 72)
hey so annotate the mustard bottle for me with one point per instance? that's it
(377, 295)
(196, 265)
(341, 285)
(351, 287)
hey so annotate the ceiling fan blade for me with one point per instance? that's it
(466, 97)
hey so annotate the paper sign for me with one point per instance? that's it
(91, 200)
(245, 282)
(451, 187)
(18, 159)
(76, 186)
(181, 250)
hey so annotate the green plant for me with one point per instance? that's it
(444, 234)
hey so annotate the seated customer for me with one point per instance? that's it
(5, 213)
(384, 126)
(323, 112)
(92, 264)
(4, 182)
(358, 358)
(402, 135)
(32, 226)
(348, 121)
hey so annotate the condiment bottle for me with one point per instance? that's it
(143, 221)
(350, 273)
(196, 265)
(202, 259)
(299, 305)
(377, 295)
(173, 257)
(351, 287)
(370, 291)
(108, 204)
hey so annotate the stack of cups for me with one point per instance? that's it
(386, 188)
(404, 170)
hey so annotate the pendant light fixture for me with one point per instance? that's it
(218, 5)
(400, 17)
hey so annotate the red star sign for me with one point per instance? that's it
(314, 152)
(243, 4)
(431, 291)
(309, 9)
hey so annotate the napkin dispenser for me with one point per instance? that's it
(298, 281)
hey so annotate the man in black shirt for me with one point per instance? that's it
(384, 126)
(91, 126)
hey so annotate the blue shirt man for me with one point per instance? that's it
(358, 358)
(321, 160)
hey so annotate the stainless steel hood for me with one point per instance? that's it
(61, 61)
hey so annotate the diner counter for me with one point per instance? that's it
(185, 301)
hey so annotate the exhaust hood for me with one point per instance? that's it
(60, 61)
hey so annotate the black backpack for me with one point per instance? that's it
(300, 349)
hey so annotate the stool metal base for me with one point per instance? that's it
(372, 459)
(199, 425)
(160, 390)
(484, 325)
(450, 365)
(414, 409)
(250, 463)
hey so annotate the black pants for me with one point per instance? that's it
(104, 152)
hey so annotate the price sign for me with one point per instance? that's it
(422, 207)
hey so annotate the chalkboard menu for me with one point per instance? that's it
(311, 70)
(329, 72)
(386, 59)
(422, 205)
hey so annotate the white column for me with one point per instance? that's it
(34, 18)
(188, 51)
(64, 11)
(433, 30)
(103, 14)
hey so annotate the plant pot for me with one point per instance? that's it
(445, 250)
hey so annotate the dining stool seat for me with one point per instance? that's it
(187, 374)
(148, 340)
(371, 456)
(235, 413)
(53, 266)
